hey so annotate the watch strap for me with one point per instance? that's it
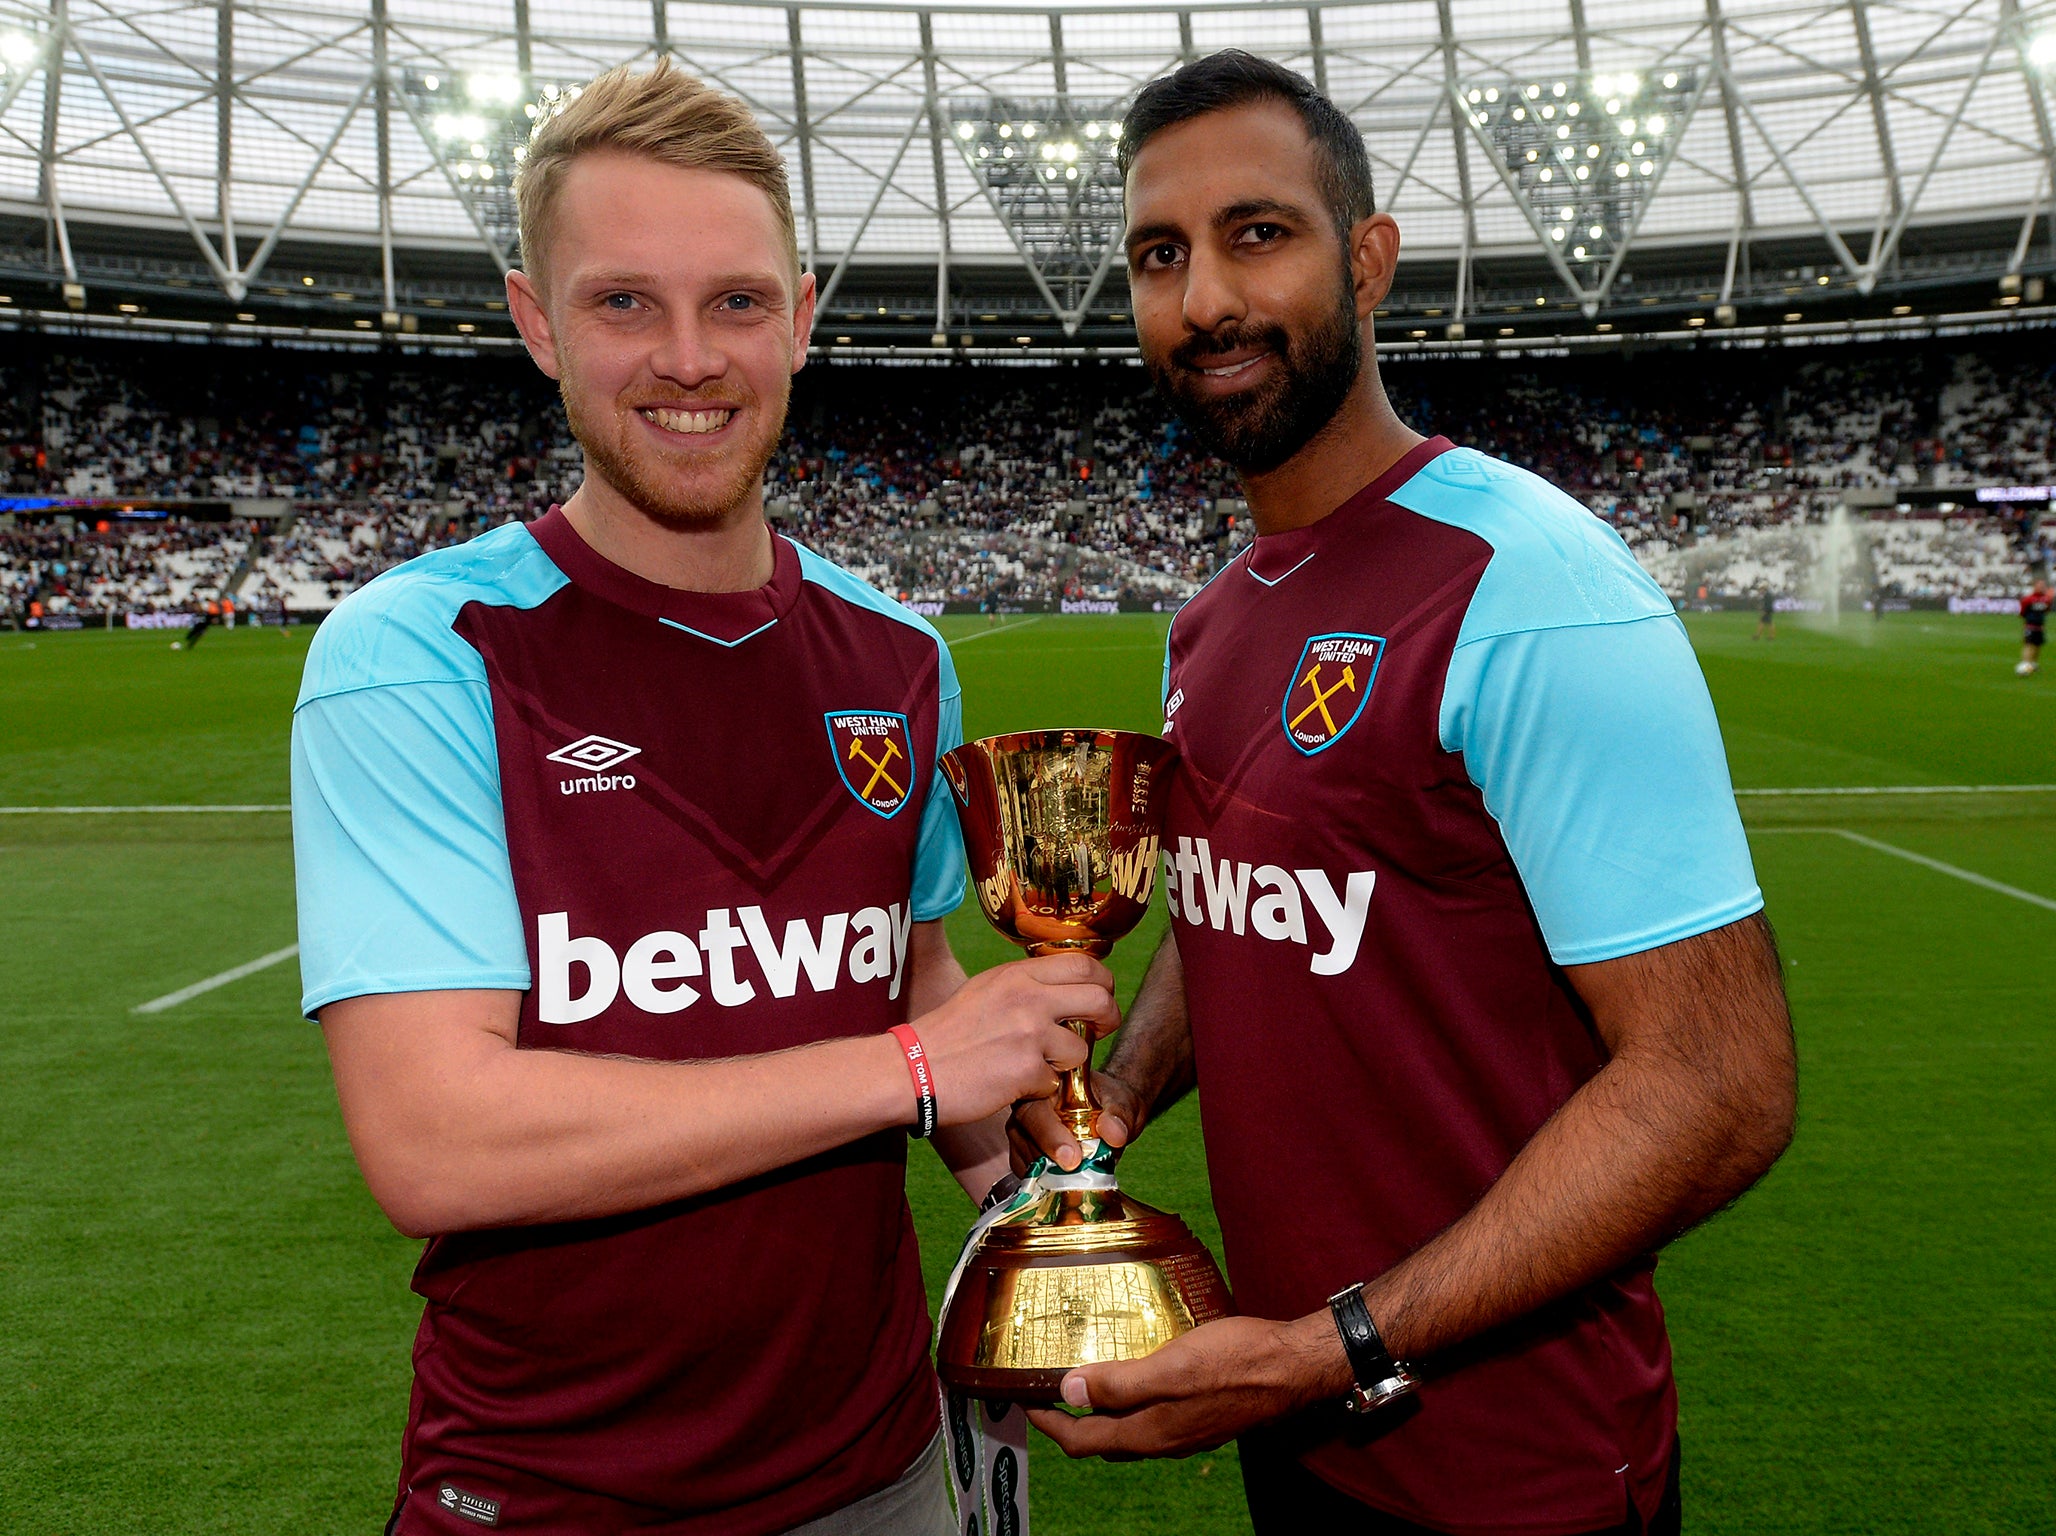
(1379, 1377)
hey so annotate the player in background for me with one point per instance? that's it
(2034, 619)
(1466, 957)
(621, 858)
(1766, 616)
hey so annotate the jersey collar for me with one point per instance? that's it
(1275, 556)
(725, 618)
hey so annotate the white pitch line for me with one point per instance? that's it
(999, 630)
(1912, 789)
(129, 810)
(187, 994)
(2032, 898)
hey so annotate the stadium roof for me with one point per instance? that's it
(1586, 156)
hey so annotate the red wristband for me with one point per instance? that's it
(924, 1080)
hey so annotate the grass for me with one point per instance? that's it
(204, 1322)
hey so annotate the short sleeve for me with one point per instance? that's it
(939, 857)
(1597, 751)
(400, 844)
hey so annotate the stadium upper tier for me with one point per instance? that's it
(1564, 162)
(984, 484)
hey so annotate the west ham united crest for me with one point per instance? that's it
(1328, 689)
(874, 757)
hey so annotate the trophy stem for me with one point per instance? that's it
(1075, 1104)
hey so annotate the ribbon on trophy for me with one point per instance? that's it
(988, 1442)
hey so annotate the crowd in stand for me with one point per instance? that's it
(984, 485)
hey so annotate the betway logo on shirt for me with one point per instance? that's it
(1270, 902)
(658, 971)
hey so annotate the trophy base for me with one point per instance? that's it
(1079, 1276)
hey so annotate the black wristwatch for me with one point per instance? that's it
(1379, 1377)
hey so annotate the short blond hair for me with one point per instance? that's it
(663, 113)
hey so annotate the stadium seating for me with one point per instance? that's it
(995, 485)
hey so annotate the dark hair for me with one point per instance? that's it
(1230, 78)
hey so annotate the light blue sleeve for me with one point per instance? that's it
(1597, 751)
(939, 856)
(400, 845)
(399, 841)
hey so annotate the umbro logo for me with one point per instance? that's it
(595, 754)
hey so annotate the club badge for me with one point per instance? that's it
(874, 757)
(1329, 687)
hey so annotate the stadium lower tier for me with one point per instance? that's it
(1001, 486)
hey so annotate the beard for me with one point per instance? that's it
(1258, 429)
(680, 488)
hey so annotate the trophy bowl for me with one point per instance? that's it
(1063, 831)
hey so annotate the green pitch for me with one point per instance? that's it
(204, 1322)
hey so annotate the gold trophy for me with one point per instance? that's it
(1063, 830)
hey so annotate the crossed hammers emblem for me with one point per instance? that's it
(1321, 696)
(878, 766)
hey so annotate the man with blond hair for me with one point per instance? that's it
(621, 870)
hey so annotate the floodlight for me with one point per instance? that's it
(458, 125)
(478, 151)
(1578, 251)
(1670, 82)
(1520, 114)
(1492, 93)
(1068, 153)
(1027, 130)
(1628, 85)
(17, 49)
(1070, 173)
(1584, 171)
(1547, 173)
(1558, 89)
(1557, 233)
(1006, 130)
(2042, 51)
(1596, 231)
(1563, 130)
(1570, 109)
(1637, 148)
(431, 82)
(1655, 123)
(1627, 125)
(1531, 157)
(965, 130)
(1621, 169)
(1647, 167)
(1113, 130)
(1612, 105)
(1092, 130)
(1476, 97)
(1534, 91)
(1566, 214)
(1548, 112)
(504, 90)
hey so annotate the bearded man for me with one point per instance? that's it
(1466, 956)
(621, 866)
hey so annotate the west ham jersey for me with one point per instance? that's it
(682, 825)
(1434, 747)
